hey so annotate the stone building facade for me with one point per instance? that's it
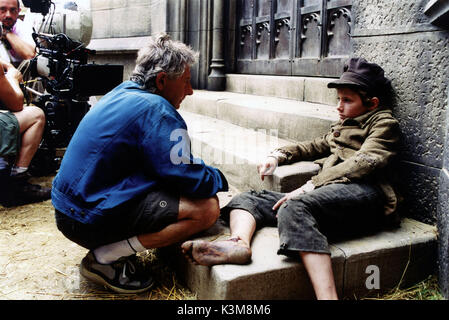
(410, 39)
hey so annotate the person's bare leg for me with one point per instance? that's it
(319, 269)
(195, 215)
(32, 123)
(242, 225)
(235, 250)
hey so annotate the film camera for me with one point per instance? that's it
(39, 6)
(68, 80)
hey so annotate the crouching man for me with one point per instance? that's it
(128, 181)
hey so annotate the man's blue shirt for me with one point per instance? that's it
(130, 143)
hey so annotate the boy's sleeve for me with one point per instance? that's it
(168, 156)
(303, 151)
(376, 152)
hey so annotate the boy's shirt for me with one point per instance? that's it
(352, 150)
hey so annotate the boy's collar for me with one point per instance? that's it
(363, 117)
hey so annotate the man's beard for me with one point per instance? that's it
(8, 23)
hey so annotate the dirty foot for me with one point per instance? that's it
(206, 253)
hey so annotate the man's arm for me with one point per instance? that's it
(22, 48)
(10, 93)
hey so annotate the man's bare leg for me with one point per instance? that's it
(319, 269)
(195, 215)
(235, 250)
(32, 123)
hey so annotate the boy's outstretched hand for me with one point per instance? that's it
(267, 167)
(303, 189)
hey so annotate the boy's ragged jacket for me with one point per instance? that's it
(354, 149)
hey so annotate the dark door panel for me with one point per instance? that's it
(302, 37)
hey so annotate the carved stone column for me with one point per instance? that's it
(217, 77)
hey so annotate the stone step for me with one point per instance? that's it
(237, 151)
(292, 119)
(308, 89)
(366, 266)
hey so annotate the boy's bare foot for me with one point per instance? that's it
(206, 253)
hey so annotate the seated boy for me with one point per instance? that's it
(349, 196)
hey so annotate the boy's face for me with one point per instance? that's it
(350, 104)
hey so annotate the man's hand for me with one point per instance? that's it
(10, 72)
(10, 92)
(303, 189)
(267, 167)
(13, 74)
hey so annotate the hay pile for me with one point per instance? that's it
(38, 262)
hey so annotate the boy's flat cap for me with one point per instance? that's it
(358, 72)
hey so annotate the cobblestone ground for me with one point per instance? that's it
(38, 262)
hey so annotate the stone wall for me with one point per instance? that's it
(443, 215)
(126, 18)
(415, 55)
(121, 27)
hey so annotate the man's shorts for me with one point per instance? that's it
(9, 134)
(147, 214)
(307, 222)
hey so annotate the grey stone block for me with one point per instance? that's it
(287, 178)
(101, 26)
(237, 151)
(421, 88)
(100, 4)
(121, 18)
(270, 86)
(443, 230)
(386, 15)
(402, 256)
(114, 46)
(295, 120)
(410, 248)
(236, 83)
(131, 21)
(275, 86)
(316, 91)
(421, 200)
(268, 276)
(234, 150)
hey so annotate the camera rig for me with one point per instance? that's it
(38, 6)
(68, 80)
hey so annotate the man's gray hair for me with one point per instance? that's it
(162, 54)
